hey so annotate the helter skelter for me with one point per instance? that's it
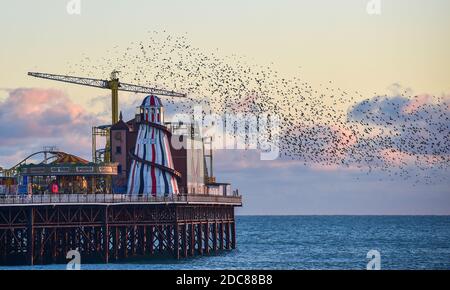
(152, 171)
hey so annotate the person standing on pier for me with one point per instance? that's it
(55, 188)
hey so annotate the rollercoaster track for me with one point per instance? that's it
(54, 153)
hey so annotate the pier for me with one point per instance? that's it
(139, 197)
(106, 228)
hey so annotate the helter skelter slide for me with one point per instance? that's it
(152, 170)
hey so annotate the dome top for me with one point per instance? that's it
(152, 110)
(152, 102)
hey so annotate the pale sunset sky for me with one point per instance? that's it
(322, 40)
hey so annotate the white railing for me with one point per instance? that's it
(115, 198)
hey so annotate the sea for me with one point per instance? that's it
(317, 242)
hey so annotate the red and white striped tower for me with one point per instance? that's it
(152, 171)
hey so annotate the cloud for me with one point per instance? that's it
(392, 110)
(418, 125)
(406, 136)
(32, 118)
(128, 102)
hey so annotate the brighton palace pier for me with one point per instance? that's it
(139, 197)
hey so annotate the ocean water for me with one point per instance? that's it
(320, 242)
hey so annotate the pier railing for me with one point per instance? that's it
(117, 199)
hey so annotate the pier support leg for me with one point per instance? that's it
(207, 225)
(144, 240)
(106, 235)
(66, 242)
(126, 240)
(221, 236)
(133, 244)
(192, 240)
(170, 238)
(30, 237)
(54, 245)
(152, 240)
(233, 235)
(227, 234)
(161, 230)
(176, 243)
(184, 240)
(215, 237)
(200, 238)
(41, 246)
(116, 243)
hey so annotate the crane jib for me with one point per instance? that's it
(104, 84)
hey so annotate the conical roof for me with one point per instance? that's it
(64, 158)
(152, 102)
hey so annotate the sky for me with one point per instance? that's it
(322, 40)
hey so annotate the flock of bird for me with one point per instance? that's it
(324, 125)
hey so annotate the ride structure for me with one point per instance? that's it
(152, 168)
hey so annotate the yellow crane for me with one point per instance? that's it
(115, 86)
(112, 84)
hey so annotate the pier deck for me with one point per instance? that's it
(108, 228)
(111, 199)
